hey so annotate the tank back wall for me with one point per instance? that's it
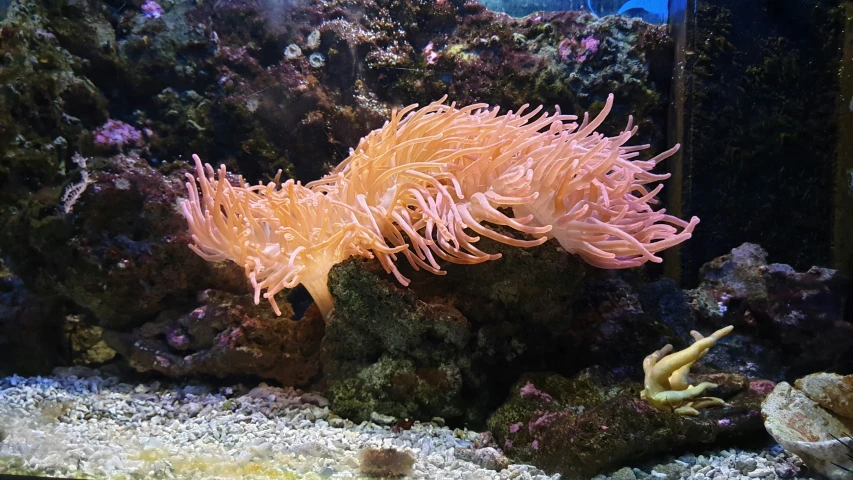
(761, 90)
(842, 247)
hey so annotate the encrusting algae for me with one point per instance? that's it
(426, 185)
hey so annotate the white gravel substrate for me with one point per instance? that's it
(731, 464)
(91, 426)
(79, 424)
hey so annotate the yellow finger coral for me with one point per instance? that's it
(667, 386)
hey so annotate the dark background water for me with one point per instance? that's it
(762, 155)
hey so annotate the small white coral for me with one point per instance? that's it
(292, 51)
(316, 60)
(313, 40)
(74, 191)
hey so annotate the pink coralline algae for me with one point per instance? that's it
(763, 387)
(152, 9)
(543, 421)
(590, 44)
(430, 54)
(115, 133)
(571, 49)
(530, 391)
(177, 340)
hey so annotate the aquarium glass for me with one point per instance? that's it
(426, 239)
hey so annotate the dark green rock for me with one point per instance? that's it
(388, 352)
(45, 103)
(121, 254)
(595, 422)
(449, 345)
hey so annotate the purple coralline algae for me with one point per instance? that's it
(115, 133)
(570, 49)
(152, 9)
